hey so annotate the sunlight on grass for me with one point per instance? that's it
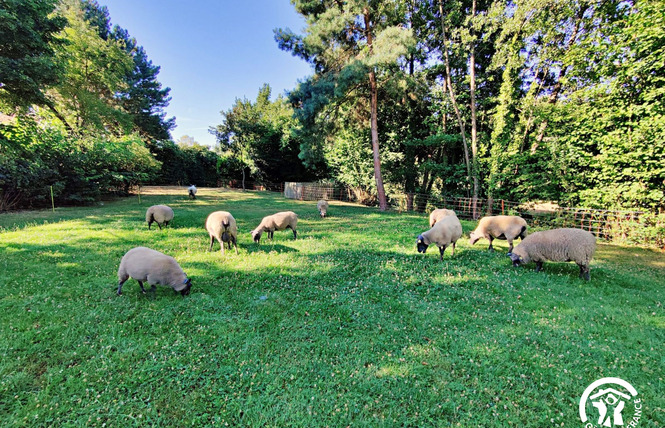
(347, 325)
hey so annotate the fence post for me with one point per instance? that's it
(52, 201)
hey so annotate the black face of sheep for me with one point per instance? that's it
(517, 260)
(256, 236)
(422, 247)
(185, 291)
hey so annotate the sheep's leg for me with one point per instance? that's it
(584, 272)
(454, 243)
(142, 289)
(160, 226)
(235, 244)
(149, 224)
(441, 251)
(491, 248)
(539, 266)
(295, 234)
(221, 247)
(510, 246)
(166, 223)
(120, 284)
(212, 242)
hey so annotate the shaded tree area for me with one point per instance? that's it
(81, 109)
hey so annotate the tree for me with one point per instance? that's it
(27, 57)
(348, 44)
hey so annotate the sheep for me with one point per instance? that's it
(192, 191)
(222, 225)
(144, 264)
(322, 206)
(162, 214)
(508, 227)
(438, 214)
(446, 231)
(280, 221)
(557, 245)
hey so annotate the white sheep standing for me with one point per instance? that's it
(279, 221)
(162, 214)
(222, 226)
(557, 245)
(438, 214)
(508, 227)
(322, 206)
(147, 265)
(192, 191)
(445, 232)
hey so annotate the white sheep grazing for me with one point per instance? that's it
(162, 214)
(222, 226)
(322, 206)
(147, 265)
(438, 214)
(508, 227)
(557, 245)
(280, 221)
(445, 232)
(192, 191)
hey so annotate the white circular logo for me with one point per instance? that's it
(611, 404)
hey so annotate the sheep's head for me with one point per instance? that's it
(420, 244)
(323, 213)
(256, 235)
(519, 257)
(188, 286)
(474, 237)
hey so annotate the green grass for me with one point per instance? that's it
(347, 325)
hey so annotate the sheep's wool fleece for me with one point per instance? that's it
(160, 213)
(279, 221)
(558, 245)
(508, 225)
(322, 206)
(147, 265)
(438, 214)
(214, 224)
(444, 232)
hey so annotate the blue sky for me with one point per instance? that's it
(212, 52)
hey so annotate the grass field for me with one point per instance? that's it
(347, 325)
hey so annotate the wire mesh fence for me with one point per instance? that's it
(613, 225)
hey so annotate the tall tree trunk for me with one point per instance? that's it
(474, 129)
(452, 93)
(374, 124)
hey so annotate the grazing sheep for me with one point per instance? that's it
(446, 231)
(192, 191)
(162, 214)
(557, 245)
(322, 206)
(438, 214)
(508, 227)
(280, 221)
(222, 225)
(144, 264)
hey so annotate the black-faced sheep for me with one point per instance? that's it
(438, 214)
(557, 245)
(445, 232)
(162, 214)
(222, 226)
(191, 190)
(508, 227)
(147, 265)
(280, 221)
(322, 206)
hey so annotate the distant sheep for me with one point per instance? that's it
(162, 214)
(508, 227)
(438, 214)
(222, 226)
(192, 191)
(280, 221)
(445, 232)
(147, 265)
(322, 206)
(557, 245)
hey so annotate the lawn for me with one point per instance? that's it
(347, 325)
